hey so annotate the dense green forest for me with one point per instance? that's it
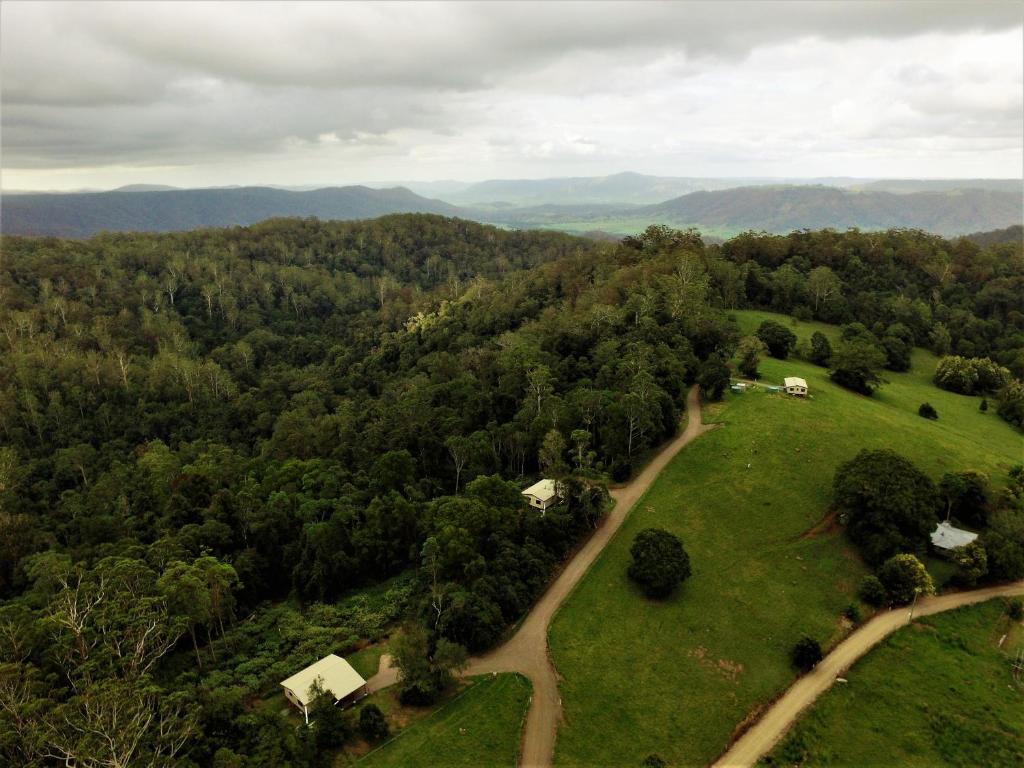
(228, 452)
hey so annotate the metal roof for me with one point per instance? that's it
(945, 536)
(336, 675)
(542, 489)
(794, 381)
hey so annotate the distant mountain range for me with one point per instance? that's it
(81, 215)
(783, 209)
(608, 204)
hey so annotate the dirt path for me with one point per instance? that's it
(527, 651)
(774, 723)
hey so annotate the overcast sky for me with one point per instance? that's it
(193, 94)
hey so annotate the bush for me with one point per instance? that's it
(905, 578)
(927, 410)
(372, 724)
(660, 563)
(970, 375)
(1015, 609)
(806, 653)
(984, 405)
(654, 761)
(872, 591)
(852, 612)
(1011, 403)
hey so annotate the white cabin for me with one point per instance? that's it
(336, 677)
(794, 385)
(542, 494)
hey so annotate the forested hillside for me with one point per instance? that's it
(145, 209)
(213, 440)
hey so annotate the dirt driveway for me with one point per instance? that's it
(773, 724)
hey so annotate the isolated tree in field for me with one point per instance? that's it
(750, 351)
(927, 411)
(714, 378)
(905, 577)
(821, 349)
(857, 364)
(777, 337)
(372, 724)
(806, 654)
(887, 504)
(660, 563)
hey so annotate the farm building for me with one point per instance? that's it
(336, 676)
(946, 538)
(542, 494)
(794, 385)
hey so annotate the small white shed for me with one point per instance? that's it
(542, 494)
(336, 677)
(794, 385)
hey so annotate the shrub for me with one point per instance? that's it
(927, 410)
(654, 761)
(1011, 403)
(372, 724)
(984, 405)
(1015, 609)
(852, 612)
(806, 653)
(905, 577)
(872, 591)
(660, 563)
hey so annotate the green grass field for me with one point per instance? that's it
(677, 678)
(937, 693)
(367, 660)
(480, 727)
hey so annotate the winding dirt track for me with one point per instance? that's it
(774, 723)
(526, 651)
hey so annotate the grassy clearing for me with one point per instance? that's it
(677, 678)
(480, 727)
(936, 693)
(366, 661)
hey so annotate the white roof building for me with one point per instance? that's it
(794, 385)
(542, 494)
(947, 537)
(336, 676)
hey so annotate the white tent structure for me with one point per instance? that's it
(336, 676)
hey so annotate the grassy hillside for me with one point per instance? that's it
(481, 727)
(936, 693)
(747, 501)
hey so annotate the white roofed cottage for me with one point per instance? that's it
(336, 677)
(794, 385)
(542, 494)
